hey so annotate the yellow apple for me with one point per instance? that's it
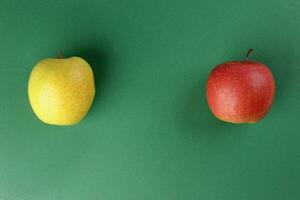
(62, 90)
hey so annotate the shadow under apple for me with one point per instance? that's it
(97, 57)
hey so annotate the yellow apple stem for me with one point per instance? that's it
(59, 54)
(248, 54)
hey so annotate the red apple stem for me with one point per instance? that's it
(248, 54)
(59, 54)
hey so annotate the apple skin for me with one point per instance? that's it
(240, 91)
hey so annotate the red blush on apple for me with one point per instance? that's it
(240, 91)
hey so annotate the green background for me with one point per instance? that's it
(149, 134)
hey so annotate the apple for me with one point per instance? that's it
(240, 91)
(61, 90)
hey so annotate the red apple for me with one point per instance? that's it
(240, 91)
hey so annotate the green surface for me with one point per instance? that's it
(149, 134)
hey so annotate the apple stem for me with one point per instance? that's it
(248, 54)
(59, 54)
